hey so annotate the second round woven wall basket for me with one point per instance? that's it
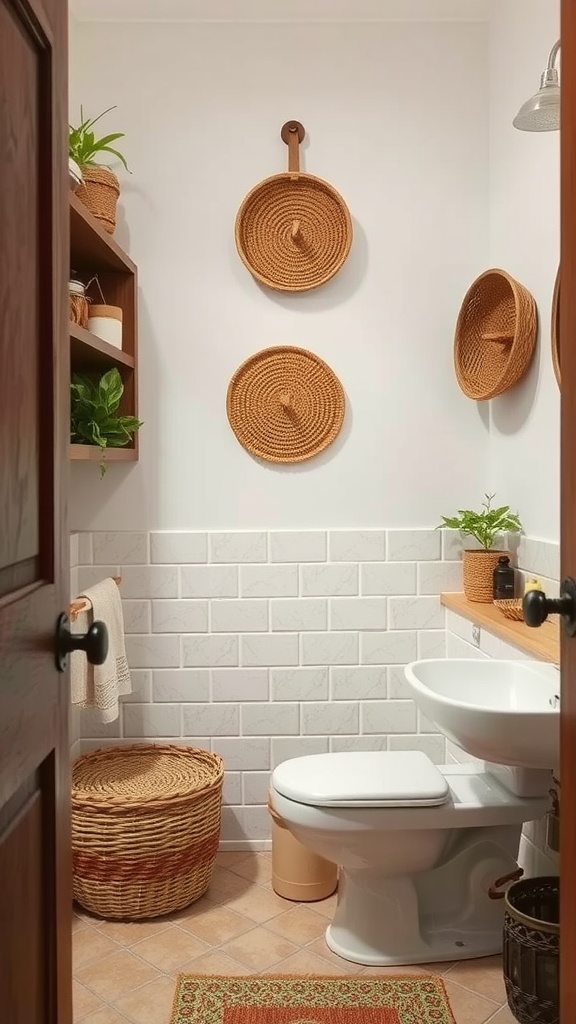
(145, 828)
(495, 335)
(293, 230)
(285, 404)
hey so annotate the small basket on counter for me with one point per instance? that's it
(511, 608)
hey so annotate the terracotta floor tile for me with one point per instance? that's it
(320, 948)
(301, 925)
(228, 859)
(306, 962)
(216, 963)
(467, 1007)
(90, 946)
(107, 1015)
(259, 949)
(83, 1001)
(216, 925)
(225, 884)
(258, 904)
(255, 868)
(150, 1004)
(168, 950)
(483, 976)
(503, 1016)
(325, 907)
(115, 975)
(389, 972)
(78, 923)
(126, 933)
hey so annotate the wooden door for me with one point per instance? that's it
(35, 890)
(568, 510)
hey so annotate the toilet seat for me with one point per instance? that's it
(405, 778)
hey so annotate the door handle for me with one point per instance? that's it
(537, 607)
(94, 643)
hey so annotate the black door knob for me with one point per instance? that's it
(94, 643)
(537, 607)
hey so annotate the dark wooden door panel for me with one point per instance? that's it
(35, 883)
(19, 269)
(568, 508)
(25, 964)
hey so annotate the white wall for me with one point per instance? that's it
(524, 239)
(202, 106)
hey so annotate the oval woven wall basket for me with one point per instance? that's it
(495, 335)
(555, 329)
(293, 230)
(285, 404)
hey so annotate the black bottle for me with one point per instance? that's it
(503, 580)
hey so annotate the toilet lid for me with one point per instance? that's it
(403, 778)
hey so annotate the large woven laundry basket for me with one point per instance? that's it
(145, 828)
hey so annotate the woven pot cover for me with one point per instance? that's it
(495, 335)
(285, 404)
(293, 230)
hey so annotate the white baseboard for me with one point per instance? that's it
(254, 845)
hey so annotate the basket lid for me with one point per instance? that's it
(143, 773)
(293, 230)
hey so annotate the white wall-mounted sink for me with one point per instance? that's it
(506, 712)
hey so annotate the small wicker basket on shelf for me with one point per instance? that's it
(511, 608)
(145, 828)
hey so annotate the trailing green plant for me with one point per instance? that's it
(83, 146)
(93, 413)
(486, 525)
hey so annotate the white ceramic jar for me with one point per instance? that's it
(106, 323)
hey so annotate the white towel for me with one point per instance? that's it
(99, 686)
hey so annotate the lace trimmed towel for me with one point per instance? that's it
(99, 686)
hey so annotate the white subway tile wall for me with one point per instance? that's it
(265, 646)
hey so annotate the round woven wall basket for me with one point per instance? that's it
(285, 404)
(145, 828)
(495, 335)
(293, 230)
(555, 329)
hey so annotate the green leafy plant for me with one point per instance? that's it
(83, 146)
(93, 418)
(485, 525)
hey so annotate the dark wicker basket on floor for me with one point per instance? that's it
(531, 950)
(145, 828)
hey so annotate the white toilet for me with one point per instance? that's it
(418, 848)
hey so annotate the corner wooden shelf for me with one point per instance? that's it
(542, 643)
(88, 352)
(89, 453)
(95, 255)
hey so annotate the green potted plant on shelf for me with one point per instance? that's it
(98, 187)
(479, 563)
(93, 414)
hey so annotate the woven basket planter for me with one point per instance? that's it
(145, 828)
(495, 335)
(99, 193)
(478, 567)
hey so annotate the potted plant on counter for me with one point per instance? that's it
(479, 563)
(99, 187)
